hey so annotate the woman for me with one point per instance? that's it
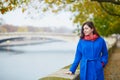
(91, 53)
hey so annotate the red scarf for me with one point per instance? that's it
(92, 38)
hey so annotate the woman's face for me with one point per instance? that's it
(87, 30)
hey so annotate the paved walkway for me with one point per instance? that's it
(112, 70)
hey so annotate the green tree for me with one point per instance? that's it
(104, 15)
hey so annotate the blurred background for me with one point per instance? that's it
(38, 37)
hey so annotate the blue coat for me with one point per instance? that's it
(90, 54)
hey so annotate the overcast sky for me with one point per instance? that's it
(18, 18)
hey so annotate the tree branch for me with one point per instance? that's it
(109, 1)
(109, 12)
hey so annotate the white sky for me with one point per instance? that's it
(16, 17)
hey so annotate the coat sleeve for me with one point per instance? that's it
(104, 57)
(77, 58)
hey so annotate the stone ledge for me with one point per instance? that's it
(62, 73)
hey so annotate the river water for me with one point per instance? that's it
(31, 62)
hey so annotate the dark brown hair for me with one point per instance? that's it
(91, 25)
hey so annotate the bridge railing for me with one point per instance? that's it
(36, 33)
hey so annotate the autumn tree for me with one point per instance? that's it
(8, 5)
(22, 29)
(2, 29)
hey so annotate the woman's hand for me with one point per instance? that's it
(69, 73)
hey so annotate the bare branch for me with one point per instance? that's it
(117, 2)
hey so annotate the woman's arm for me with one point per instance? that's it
(104, 57)
(77, 58)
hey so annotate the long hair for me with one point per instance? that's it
(91, 25)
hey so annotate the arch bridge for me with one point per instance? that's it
(44, 35)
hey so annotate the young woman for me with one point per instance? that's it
(91, 53)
